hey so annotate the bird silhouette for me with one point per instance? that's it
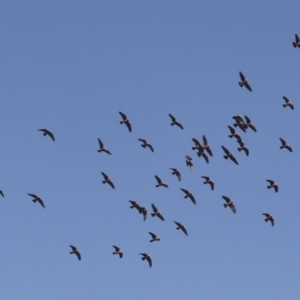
(287, 103)
(229, 203)
(208, 181)
(244, 82)
(234, 134)
(36, 199)
(269, 218)
(156, 212)
(1, 193)
(272, 185)
(47, 132)
(118, 251)
(229, 155)
(146, 144)
(102, 148)
(107, 180)
(189, 162)
(250, 124)
(181, 226)
(243, 147)
(206, 146)
(154, 237)
(297, 41)
(285, 145)
(176, 172)
(147, 257)
(175, 122)
(189, 194)
(159, 182)
(126, 121)
(76, 252)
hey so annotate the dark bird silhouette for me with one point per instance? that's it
(47, 132)
(230, 155)
(76, 252)
(107, 180)
(125, 120)
(189, 162)
(250, 124)
(297, 41)
(176, 172)
(102, 148)
(134, 205)
(244, 82)
(234, 134)
(243, 147)
(269, 218)
(160, 183)
(285, 145)
(146, 144)
(272, 185)
(206, 146)
(239, 122)
(147, 257)
(208, 181)
(143, 211)
(287, 103)
(37, 199)
(154, 237)
(181, 226)
(201, 152)
(1, 193)
(197, 146)
(118, 251)
(156, 212)
(175, 122)
(229, 203)
(189, 194)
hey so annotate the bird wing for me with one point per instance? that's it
(285, 99)
(41, 202)
(193, 199)
(158, 179)
(123, 115)
(151, 147)
(205, 157)
(149, 261)
(184, 230)
(132, 202)
(270, 181)
(51, 135)
(209, 151)
(179, 125)
(111, 184)
(188, 157)
(297, 38)
(128, 126)
(154, 208)
(78, 255)
(247, 151)
(231, 130)
(32, 195)
(197, 143)
(267, 215)
(226, 199)
(143, 141)
(185, 191)
(152, 235)
(233, 208)
(1, 193)
(212, 185)
(276, 188)
(172, 118)
(272, 221)
(233, 159)
(100, 143)
(247, 85)
(177, 223)
(283, 142)
(160, 216)
(104, 175)
(225, 150)
(117, 248)
(292, 106)
(205, 177)
(204, 140)
(289, 148)
(247, 120)
(73, 248)
(242, 76)
(178, 176)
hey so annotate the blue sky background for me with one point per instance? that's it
(71, 66)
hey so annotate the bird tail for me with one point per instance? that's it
(281, 147)
(157, 185)
(241, 84)
(194, 148)
(114, 253)
(103, 181)
(185, 197)
(151, 241)
(266, 220)
(143, 258)
(144, 146)
(294, 44)
(235, 125)
(284, 105)
(121, 122)
(269, 187)
(172, 124)
(173, 173)
(158, 239)
(72, 252)
(152, 215)
(239, 149)
(177, 228)
(231, 135)
(44, 134)
(132, 206)
(225, 205)
(34, 200)
(225, 156)
(99, 151)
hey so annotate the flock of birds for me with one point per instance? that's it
(203, 150)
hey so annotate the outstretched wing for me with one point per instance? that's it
(225, 150)
(116, 248)
(233, 208)
(242, 76)
(247, 85)
(123, 116)
(172, 118)
(154, 208)
(283, 142)
(100, 143)
(128, 126)
(41, 202)
(297, 38)
(226, 199)
(104, 175)
(233, 159)
(185, 191)
(184, 230)
(157, 179)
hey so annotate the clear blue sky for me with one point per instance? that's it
(71, 66)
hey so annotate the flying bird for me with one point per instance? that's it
(272, 185)
(36, 199)
(287, 103)
(1, 193)
(239, 122)
(181, 226)
(297, 41)
(176, 172)
(156, 212)
(206, 146)
(134, 205)
(269, 218)
(234, 134)
(230, 155)
(208, 181)
(107, 180)
(189, 162)
(160, 183)
(146, 144)
(76, 252)
(47, 132)
(243, 147)
(147, 257)
(189, 194)
(143, 211)
(201, 152)
(118, 251)
(175, 122)
(244, 82)
(285, 145)
(102, 148)
(197, 146)
(154, 237)
(229, 203)
(250, 124)
(125, 120)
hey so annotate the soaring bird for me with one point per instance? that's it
(206, 146)
(197, 146)
(243, 147)
(154, 237)
(201, 152)
(229, 203)
(229, 154)
(102, 148)
(189, 162)
(156, 212)
(189, 194)
(234, 134)
(143, 211)
(272, 185)
(47, 132)
(118, 251)
(146, 144)
(176, 172)
(76, 252)
(269, 218)
(250, 124)
(36, 199)
(160, 183)
(297, 41)
(125, 120)
(287, 103)
(285, 145)
(107, 180)
(181, 226)
(1, 193)
(244, 82)
(175, 122)
(239, 122)
(134, 205)
(208, 181)
(147, 257)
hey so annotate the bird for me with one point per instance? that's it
(250, 124)
(126, 121)
(297, 41)
(160, 183)
(208, 181)
(175, 122)
(230, 155)
(36, 199)
(147, 257)
(176, 172)
(229, 203)
(107, 180)
(243, 147)
(156, 212)
(244, 82)
(197, 146)
(269, 218)
(287, 103)
(118, 251)
(189, 194)
(146, 144)
(206, 146)
(234, 134)
(181, 226)
(47, 132)
(239, 122)
(272, 185)
(102, 148)
(285, 145)
(143, 211)
(154, 237)
(134, 205)
(189, 162)
(76, 252)
(1, 193)
(201, 152)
